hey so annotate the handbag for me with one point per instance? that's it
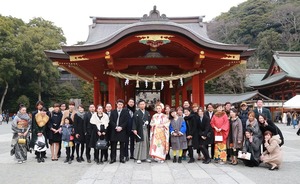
(246, 156)
(21, 140)
(218, 138)
(71, 137)
(101, 144)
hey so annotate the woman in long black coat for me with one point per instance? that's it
(191, 133)
(205, 133)
(99, 122)
(79, 133)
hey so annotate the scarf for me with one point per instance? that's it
(80, 114)
(98, 122)
(23, 116)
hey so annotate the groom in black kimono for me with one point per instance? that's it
(117, 123)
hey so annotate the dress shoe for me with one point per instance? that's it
(206, 161)
(78, 159)
(192, 160)
(39, 160)
(72, 158)
(131, 157)
(45, 157)
(122, 161)
(89, 161)
(66, 161)
(179, 159)
(174, 159)
(112, 161)
(81, 158)
(127, 159)
(42, 159)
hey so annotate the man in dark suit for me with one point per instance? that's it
(87, 131)
(118, 123)
(130, 136)
(210, 113)
(262, 110)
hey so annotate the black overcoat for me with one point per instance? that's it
(123, 121)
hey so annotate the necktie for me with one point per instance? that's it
(118, 117)
(259, 111)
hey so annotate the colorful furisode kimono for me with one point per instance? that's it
(159, 136)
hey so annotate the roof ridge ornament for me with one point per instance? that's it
(154, 15)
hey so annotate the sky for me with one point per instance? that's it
(73, 16)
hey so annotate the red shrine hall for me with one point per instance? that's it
(153, 57)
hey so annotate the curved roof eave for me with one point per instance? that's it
(156, 26)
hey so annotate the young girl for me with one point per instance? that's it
(178, 136)
(67, 137)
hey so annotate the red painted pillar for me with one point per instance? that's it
(168, 96)
(184, 93)
(96, 92)
(196, 89)
(177, 98)
(112, 91)
(202, 92)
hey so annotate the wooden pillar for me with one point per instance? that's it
(202, 92)
(96, 92)
(112, 91)
(196, 89)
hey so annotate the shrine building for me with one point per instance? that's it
(282, 79)
(154, 56)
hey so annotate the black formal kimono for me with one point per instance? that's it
(118, 121)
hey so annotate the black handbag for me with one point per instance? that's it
(101, 144)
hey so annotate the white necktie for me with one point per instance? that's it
(119, 112)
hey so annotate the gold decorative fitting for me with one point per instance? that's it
(55, 63)
(78, 58)
(201, 55)
(234, 57)
(154, 40)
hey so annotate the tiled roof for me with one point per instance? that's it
(232, 98)
(288, 62)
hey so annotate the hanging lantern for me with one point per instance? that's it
(137, 84)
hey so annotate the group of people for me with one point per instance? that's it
(230, 133)
(4, 117)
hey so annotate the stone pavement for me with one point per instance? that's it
(130, 172)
